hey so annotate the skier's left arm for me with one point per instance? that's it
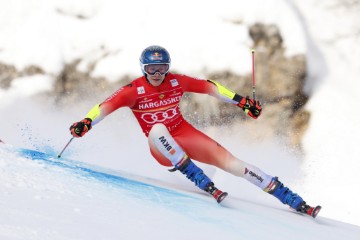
(250, 106)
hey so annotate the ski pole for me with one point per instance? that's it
(59, 156)
(253, 72)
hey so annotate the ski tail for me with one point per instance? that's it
(220, 196)
(215, 192)
(308, 210)
(315, 211)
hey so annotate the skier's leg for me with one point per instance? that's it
(204, 149)
(166, 150)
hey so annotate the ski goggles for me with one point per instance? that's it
(152, 69)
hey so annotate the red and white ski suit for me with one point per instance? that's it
(152, 105)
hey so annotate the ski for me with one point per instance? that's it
(315, 211)
(215, 192)
(308, 210)
(219, 195)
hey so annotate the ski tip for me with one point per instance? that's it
(315, 211)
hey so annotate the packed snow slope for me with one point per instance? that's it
(46, 198)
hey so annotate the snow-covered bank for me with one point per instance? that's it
(331, 164)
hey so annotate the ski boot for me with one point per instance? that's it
(196, 175)
(286, 196)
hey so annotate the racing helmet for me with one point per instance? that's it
(154, 55)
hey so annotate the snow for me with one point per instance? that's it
(62, 199)
(200, 39)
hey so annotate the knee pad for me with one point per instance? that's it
(160, 138)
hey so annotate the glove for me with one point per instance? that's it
(79, 129)
(250, 106)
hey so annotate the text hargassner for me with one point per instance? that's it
(160, 103)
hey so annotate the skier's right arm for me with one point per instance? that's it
(124, 97)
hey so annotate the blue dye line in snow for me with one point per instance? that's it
(135, 187)
(81, 168)
(201, 209)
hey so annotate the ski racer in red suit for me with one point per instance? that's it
(154, 99)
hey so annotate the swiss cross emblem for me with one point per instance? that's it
(141, 90)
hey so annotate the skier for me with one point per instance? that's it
(154, 100)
